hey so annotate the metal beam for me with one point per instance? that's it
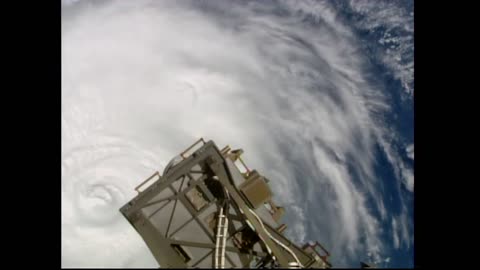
(169, 198)
(158, 209)
(174, 207)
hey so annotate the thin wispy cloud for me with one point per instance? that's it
(394, 25)
(410, 151)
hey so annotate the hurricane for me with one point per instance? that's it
(289, 82)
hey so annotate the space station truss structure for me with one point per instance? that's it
(207, 212)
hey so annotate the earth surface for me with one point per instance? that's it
(319, 94)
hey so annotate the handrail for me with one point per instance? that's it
(188, 149)
(157, 173)
(244, 165)
(143, 183)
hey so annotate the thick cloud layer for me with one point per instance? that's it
(141, 80)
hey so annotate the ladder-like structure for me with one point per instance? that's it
(221, 239)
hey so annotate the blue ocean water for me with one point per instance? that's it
(400, 118)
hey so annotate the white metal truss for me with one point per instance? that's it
(222, 234)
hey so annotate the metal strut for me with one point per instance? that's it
(221, 239)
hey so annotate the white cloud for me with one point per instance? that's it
(401, 170)
(396, 240)
(69, 2)
(143, 80)
(298, 232)
(410, 151)
(407, 235)
(395, 22)
(402, 235)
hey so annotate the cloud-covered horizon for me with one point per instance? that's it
(142, 80)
